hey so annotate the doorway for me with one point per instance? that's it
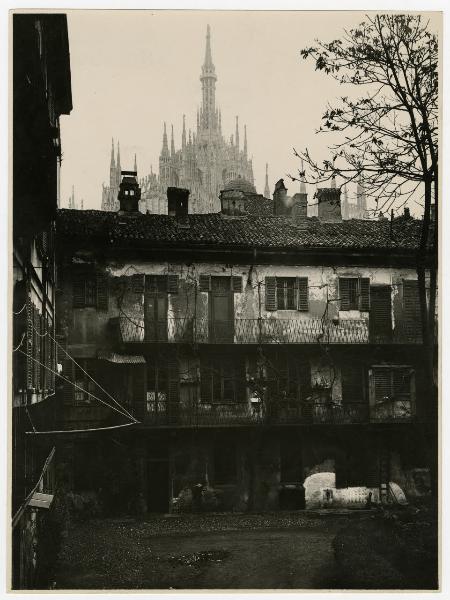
(221, 324)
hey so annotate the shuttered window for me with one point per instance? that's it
(392, 383)
(90, 289)
(233, 283)
(288, 377)
(354, 293)
(286, 293)
(411, 301)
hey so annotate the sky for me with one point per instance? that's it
(134, 69)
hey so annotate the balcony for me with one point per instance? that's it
(198, 414)
(264, 331)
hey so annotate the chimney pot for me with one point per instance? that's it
(178, 202)
(406, 212)
(329, 204)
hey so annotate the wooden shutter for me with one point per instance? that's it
(172, 284)
(37, 349)
(68, 372)
(344, 293)
(382, 384)
(236, 283)
(411, 301)
(364, 294)
(173, 388)
(302, 294)
(30, 344)
(271, 293)
(352, 384)
(102, 290)
(78, 290)
(205, 283)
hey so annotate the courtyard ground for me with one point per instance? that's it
(275, 551)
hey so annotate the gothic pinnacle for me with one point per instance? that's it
(172, 144)
(237, 133)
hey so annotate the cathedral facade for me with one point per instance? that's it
(205, 163)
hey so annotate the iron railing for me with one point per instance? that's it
(199, 414)
(264, 331)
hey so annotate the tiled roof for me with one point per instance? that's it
(255, 231)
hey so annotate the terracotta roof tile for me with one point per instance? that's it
(248, 231)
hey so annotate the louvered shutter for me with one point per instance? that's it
(364, 294)
(173, 388)
(37, 349)
(205, 283)
(78, 290)
(302, 291)
(172, 284)
(382, 381)
(304, 371)
(344, 293)
(29, 345)
(236, 283)
(271, 293)
(102, 291)
(68, 373)
(411, 301)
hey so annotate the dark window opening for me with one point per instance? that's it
(352, 384)
(223, 380)
(225, 471)
(354, 293)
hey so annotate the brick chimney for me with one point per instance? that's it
(329, 204)
(299, 207)
(280, 199)
(233, 202)
(178, 202)
(129, 193)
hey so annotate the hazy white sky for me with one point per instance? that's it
(133, 70)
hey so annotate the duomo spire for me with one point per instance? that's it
(205, 162)
(266, 187)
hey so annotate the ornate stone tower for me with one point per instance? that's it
(208, 77)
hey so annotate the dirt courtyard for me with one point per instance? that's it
(199, 552)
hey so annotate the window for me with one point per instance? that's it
(90, 289)
(354, 293)
(157, 379)
(289, 379)
(287, 293)
(83, 382)
(222, 380)
(392, 384)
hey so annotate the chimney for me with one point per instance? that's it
(406, 213)
(329, 204)
(178, 202)
(280, 199)
(233, 202)
(129, 193)
(299, 208)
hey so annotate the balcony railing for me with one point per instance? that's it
(264, 331)
(203, 415)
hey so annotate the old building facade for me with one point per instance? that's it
(42, 92)
(260, 358)
(204, 163)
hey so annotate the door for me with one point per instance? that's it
(221, 323)
(380, 319)
(155, 309)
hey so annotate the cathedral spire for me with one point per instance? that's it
(165, 147)
(113, 162)
(208, 79)
(237, 133)
(183, 135)
(208, 64)
(135, 163)
(245, 141)
(172, 144)
(266, 187)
